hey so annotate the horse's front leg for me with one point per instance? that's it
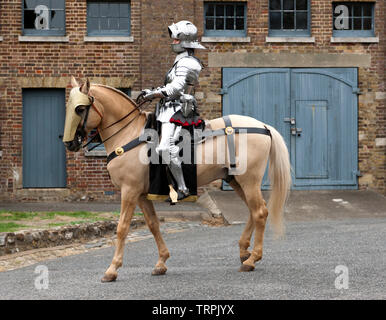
(153, 224)
(128, 204)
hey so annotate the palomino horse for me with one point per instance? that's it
(99, 106)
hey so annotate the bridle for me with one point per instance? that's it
(138, 104)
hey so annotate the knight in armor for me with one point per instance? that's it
(178, 107)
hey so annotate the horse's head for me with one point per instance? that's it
(80, 117)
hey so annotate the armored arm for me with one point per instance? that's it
(186, 74)
(153, 94)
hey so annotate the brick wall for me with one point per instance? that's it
(143, 63)
(26, 64)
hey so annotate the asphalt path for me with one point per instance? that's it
(204, 264)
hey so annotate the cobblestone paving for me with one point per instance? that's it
(23, 259)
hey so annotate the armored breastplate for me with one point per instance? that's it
(170, 75)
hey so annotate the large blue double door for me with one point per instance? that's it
(314, 109)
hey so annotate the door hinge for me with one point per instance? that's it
(356, 90)
(223, 91)
(357, 173)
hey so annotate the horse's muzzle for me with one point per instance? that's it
(72, 146)
(75, 144)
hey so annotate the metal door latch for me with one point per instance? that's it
(296, 131)
(290, 120)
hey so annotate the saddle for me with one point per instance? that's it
(161, 181)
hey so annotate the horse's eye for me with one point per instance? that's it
(79, 110)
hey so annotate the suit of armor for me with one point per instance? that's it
(180, 79)
(177, 105)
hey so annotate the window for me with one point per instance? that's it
(126, 91)
(108, 18)
(44, 17)
(227, 19)
(353, 19)
(289, 18)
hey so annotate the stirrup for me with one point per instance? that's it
(175, 196)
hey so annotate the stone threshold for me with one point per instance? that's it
(354, 40)
(226, 39)
(290, 39)
(108, 39)
(44, 38)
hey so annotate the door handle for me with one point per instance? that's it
(296, 131)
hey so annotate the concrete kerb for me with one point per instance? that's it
(24, 240)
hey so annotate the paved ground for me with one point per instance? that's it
(204, 265)
(325, 229)
(302, 205)
(311, 205)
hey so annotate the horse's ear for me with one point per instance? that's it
(74, 83)
(85, 87)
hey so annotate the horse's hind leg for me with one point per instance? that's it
(259, 213)
(245, 239)
(153, 224)
(128, 204)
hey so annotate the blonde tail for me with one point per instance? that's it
(280, 178)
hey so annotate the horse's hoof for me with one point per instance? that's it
(246, 268)
(109, 277)
(158, 271)
(244, 258)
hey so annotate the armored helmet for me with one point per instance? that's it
(186, 32)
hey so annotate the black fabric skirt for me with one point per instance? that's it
(194, 120)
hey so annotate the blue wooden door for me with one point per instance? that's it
(44, 157)
(311, 139)
(324, 106)
(315, 110)
(245, 89)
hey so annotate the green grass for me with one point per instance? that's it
(11, 226)
(8, 219)
(77, 214)
(14, 216)
(57, 224)
(117, 213)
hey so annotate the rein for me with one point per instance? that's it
(137, 108)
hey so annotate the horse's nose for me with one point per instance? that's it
(71, 146)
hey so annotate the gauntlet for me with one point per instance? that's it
(152, 94)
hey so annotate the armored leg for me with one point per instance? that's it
(170, 154)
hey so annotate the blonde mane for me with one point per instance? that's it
(115, 90)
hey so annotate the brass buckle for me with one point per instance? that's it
(229, 130)
(119, 151)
